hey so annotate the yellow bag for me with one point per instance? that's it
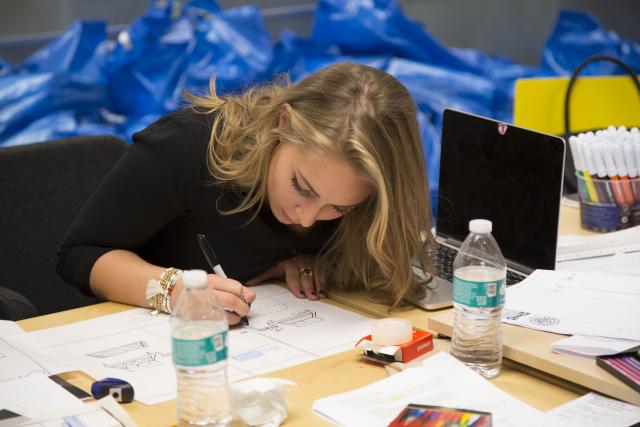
(543, 104)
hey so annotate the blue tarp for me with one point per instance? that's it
(84, 83)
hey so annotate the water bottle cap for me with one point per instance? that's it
(480, 226)
(194, 278)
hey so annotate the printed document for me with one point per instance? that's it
(594, 410)
(442, 380)
(136, 346)
(591, 304)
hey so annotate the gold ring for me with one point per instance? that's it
(306, 271)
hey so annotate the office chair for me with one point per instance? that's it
(42, 188)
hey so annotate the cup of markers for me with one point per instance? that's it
(607, 166)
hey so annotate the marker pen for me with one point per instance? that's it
(632, 167)
(590, 170)
(621, 166)
(607, 155)
(603, 185)
(212, 260)
(579, 165)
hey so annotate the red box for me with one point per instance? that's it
(421, 343)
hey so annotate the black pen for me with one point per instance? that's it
(212, 260)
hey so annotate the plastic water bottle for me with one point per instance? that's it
(479, 276)
(199, 331)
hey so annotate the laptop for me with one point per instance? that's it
(509, 175)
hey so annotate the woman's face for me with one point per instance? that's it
(305, 187)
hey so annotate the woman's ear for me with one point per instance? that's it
(283, 119)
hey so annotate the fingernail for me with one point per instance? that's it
(322, 293)
(313, 292)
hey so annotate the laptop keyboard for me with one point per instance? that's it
(442, 261)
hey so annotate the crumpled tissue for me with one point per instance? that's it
(260, 401)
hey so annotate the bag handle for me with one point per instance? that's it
(576, 73)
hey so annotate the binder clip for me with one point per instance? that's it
(119, 389)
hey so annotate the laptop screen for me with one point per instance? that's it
(509, 175)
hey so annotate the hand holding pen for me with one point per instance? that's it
(226, 287)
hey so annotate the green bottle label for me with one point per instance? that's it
(478, 294)
(200, 352)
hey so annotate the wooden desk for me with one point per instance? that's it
(324, 377)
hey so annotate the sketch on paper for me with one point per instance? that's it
(298, 319)
(301, 318)
(145, 361)
(121, 349)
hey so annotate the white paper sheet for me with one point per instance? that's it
(621, 263)
(594, 410)
(7, 327)
(105, 412)
(35, 396)
(17, 362)
(590, 347)
(441, 380)
(136, 347)
(591, 304)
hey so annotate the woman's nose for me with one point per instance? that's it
(307, 214)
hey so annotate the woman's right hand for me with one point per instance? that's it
(233, 296)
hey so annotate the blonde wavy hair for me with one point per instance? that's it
(362, 115)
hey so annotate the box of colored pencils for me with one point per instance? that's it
(415, 415)
(624, 366)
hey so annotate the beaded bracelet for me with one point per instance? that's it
(169, 291)
(158, 292)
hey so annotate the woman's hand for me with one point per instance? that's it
(231, 295)
(300, 277)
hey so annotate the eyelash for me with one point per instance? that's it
(300, 190)
(307, 193)
(342, 211)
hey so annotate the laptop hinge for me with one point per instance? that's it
(518, 268)
(449, 241)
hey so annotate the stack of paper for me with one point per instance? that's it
(591, 347)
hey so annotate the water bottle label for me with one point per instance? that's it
(204, 351)
(478, 294)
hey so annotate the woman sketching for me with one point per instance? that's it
(321, 184)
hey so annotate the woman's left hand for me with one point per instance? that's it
(300, 277)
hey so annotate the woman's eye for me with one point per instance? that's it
(303, 192)
(342, 211)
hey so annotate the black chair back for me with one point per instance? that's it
(43, 186)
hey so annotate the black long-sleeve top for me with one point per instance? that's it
(160, 196)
